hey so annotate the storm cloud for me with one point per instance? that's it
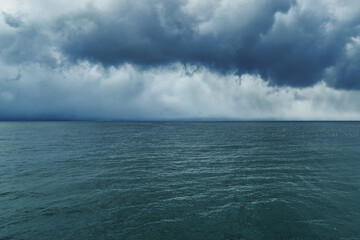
(290, 43)
(91, 92)
(282, 46)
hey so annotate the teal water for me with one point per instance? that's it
(179, 180)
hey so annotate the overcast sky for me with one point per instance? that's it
(180, 59)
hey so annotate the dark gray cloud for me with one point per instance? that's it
(176, 59)
(288, 42)
(346, 72)
(162, 32)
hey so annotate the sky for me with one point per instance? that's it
(180, 59)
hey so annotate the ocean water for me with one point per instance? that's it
(179, 180)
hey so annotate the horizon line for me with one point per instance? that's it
(171, 120)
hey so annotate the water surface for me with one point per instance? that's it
(179, 180)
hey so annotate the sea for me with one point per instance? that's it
(179, 180)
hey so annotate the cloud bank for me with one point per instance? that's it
(177, 59)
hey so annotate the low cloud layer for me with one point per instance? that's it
(88, 91)
(176, 59)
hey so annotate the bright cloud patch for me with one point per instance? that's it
(88, 91)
